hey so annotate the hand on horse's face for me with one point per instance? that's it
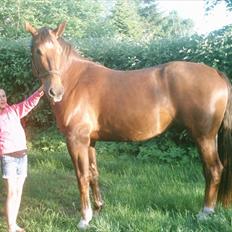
(41, 90)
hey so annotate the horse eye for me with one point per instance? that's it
(38, 51)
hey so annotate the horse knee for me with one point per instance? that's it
(84, 183)
(93, 171)
(84, 180)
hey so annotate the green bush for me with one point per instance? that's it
(128, 54)
(214, 50)
(15, 72)
(17, 79)
(16, 76)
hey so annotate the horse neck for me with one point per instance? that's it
(73, 67)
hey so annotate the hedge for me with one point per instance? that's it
(16, 76)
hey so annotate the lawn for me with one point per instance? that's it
(139, 195)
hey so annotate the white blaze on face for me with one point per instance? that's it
(49, 45)
(51, 63)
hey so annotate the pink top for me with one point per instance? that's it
(12, 135)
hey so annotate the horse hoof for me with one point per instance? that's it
(83, 224)
(204, 215)
(98, 209)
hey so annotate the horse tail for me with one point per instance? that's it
(225, 150)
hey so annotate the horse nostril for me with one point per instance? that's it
(52, 93)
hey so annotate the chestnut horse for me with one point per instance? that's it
(92, 103)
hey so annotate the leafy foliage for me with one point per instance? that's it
(170, 147)
(47, 141)
(214, 49)
(16, 77)
(89, 18)
(83, 16)
(125, 20)
(14, 62)
(210, 4)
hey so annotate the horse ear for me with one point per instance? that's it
(59, 30)
(30, 28)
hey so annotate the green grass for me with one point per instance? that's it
(139, 195)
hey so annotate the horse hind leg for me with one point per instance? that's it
(212, 168)
(98, 203)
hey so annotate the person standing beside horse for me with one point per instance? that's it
(13, 152)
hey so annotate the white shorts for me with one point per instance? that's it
(15, 167)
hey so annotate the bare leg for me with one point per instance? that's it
(14, 188)
(98, 203)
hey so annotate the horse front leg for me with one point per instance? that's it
(79, 154)
(98, 203)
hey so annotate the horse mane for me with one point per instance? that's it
(67, 48)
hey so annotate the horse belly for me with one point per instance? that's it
(137, 128)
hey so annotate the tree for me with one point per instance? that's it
(161, 26)
(126, 20)
(174, 26)
(210, 4)
(82, 16)
(135, 19)
(153, 18)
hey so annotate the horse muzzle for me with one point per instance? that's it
(53, 88)
(55, 94)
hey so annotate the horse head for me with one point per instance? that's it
(46, 59)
